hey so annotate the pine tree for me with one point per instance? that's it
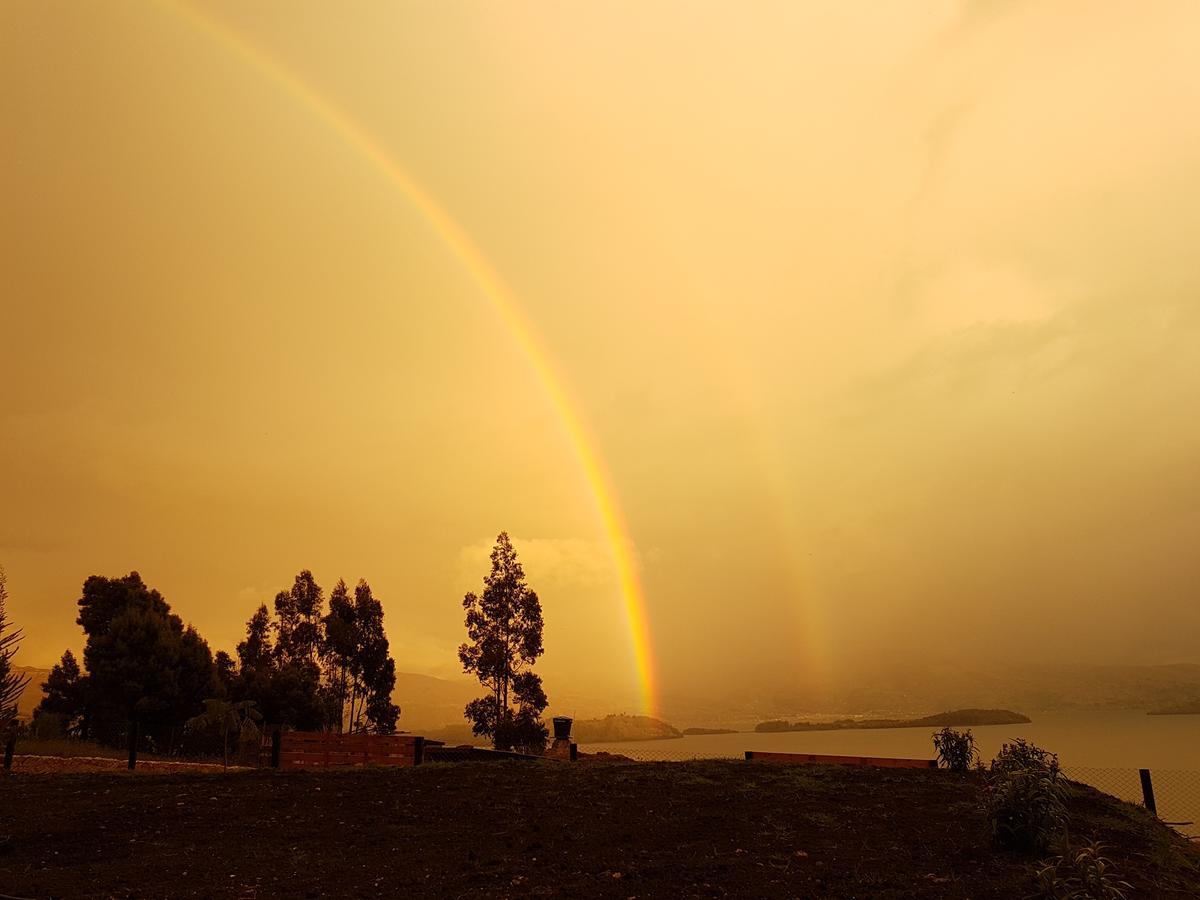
(504, 625)
(63, 695)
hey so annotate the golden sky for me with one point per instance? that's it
(884, 319)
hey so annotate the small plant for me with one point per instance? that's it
(1082, 874)
(1026, 810)
(1021, 755)
(1025, 797)
(956, 750)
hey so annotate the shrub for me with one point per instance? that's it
(1025, 808)
(1083, 874)
(956, 750)
(1021, 755)
(48, 726)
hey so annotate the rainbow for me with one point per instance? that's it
(502, 300)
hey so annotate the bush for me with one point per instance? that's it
(48, 726)
(1025, 805)
(956, 750)
(1084, 874)
(1021, 755)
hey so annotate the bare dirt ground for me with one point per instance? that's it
(541, 829)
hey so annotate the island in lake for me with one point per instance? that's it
(956, 717)
(623, 728)
(1189, 708)
(688, 731)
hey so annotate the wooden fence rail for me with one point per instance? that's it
(318, 750)
(796, 759)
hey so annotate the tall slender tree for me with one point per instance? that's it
(339, 651)
(373, 669)
(504, 627)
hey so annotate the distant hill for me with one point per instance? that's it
(32, 695)
(957, 717)
(1189, 708)
(622, 728)
(428, 703)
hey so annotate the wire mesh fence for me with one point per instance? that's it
(1176, 791)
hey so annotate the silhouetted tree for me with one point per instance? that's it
(63, 696)
(146, 673)
(240, 718)
(347, 646)
(256, 653)
(360, 674)
(286, 692)
(299, 613)
(338, 651)
(373, 669)
(504, 626)
(12, 683)
(226, 673)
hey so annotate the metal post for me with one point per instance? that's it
(1148, 791)
(10, 747)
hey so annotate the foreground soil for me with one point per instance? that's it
(513, 829)
(57, 765)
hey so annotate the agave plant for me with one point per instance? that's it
(239, 718)
(1081, 874)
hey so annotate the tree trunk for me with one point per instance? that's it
(225, 736)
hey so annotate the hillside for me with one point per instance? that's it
(428, 702)
(622, 728)
(608, 830)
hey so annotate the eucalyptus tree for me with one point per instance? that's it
(504, 627)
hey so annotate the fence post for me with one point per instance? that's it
(133, 739)
(1148, 791)
(276, 747)
(10, 747)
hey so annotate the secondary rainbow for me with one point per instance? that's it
(501, 299)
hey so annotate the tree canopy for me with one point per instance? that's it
(504, 628)
(145, 671)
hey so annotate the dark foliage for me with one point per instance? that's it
(63, 698)
(146, 672)
(504, 626)
(1026, 798)
(314, 670)
(956, 750)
